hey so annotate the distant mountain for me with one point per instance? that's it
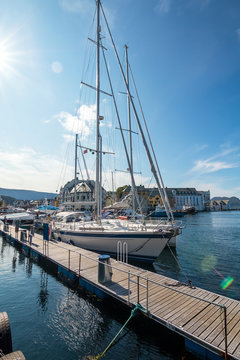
(26, 194)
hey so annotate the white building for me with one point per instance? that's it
(81, 198)
(206, 199)
(188, 197)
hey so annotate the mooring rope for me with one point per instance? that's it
(189, 282)
(137, 307)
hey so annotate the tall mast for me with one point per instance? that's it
(75, 173)
(153, 168)
(97, 185)
(130, 129)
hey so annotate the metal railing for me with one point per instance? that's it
(139, 281)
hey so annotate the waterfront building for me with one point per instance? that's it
(143, 194)
(178, 198)
(81, 198)
(184, 197)
(232, 203)
(206, 199)
(219, 205)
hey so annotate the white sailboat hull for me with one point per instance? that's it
(142, 245)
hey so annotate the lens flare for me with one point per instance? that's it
(208, 263)
(226, 282)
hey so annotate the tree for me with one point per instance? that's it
(119, 191)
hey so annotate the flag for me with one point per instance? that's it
(85, 151)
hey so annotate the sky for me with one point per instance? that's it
(185, 59)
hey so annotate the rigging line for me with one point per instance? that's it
(80, 169)
(153, 169)
(84, 161)
(179, 265)
(149, 138)
(64, 166)
(87, 41)
(123, 139)
(87, 57)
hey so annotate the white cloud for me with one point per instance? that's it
(163, 6)
(68, 138)
(207, 166)
(84, 122)
(222, 160)
(200, 147)
(26, 169)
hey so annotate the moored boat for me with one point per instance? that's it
(139, 239)
(160, 212)
(24, 219)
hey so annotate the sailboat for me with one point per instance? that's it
(135, 239)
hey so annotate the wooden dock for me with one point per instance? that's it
(209, 322)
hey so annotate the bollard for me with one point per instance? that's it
(104, 269)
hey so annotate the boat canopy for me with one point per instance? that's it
(18, 216)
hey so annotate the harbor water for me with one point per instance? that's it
(52, 320)
(207, 253)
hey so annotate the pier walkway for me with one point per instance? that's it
(207, 320)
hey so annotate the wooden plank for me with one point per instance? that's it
(219, 322)
(206, 329)
(232, 334)
(235, 342)
(182, 308)
(209, 314)
(236, 352)
(169, 303)
(117, 289)
(232, 320)
(193, 311)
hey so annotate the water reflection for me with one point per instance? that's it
(4, 244)
(43, 294)
(14, 260)
(79, 323)
(29, 265)
(21, 259)
(168, 261)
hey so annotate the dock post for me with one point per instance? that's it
(225, 331)
(79, 264)
(128, 286)
(147, 296)
(138, 289)
(69, 255)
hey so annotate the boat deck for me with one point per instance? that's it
(206, 318)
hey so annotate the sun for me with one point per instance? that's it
(10, 57)
(13, 56)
